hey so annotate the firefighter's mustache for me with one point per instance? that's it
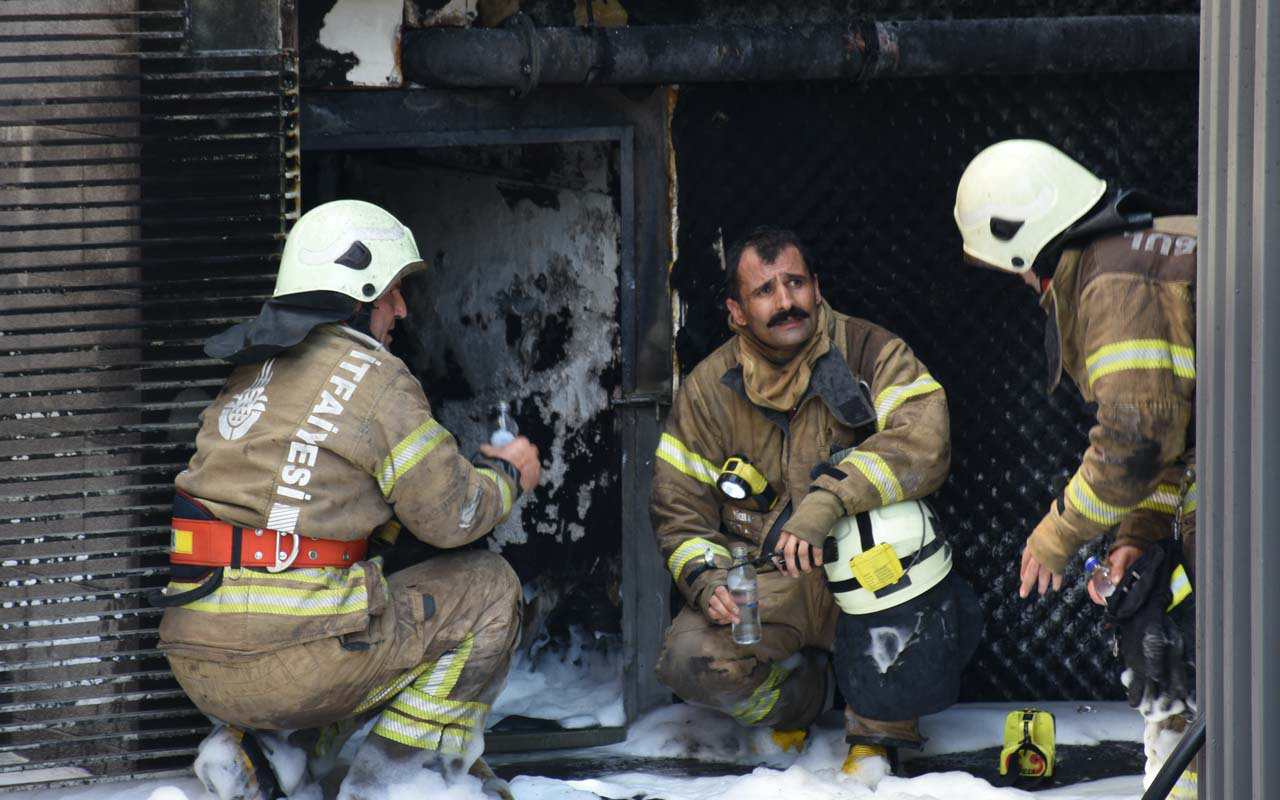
(789, 314)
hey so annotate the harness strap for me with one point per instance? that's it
(160, 599)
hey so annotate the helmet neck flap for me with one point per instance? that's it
(1118, 210)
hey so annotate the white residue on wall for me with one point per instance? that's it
(371, 30)
(523, 293)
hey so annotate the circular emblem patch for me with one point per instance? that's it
(241, 411)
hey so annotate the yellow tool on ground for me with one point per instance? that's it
(1028, 744)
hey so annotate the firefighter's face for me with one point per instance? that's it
(777, 303)
(384, 313)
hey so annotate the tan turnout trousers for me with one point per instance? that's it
(429, 679)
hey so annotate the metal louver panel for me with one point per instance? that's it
(148, 171)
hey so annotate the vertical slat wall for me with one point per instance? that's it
(1238, 394)
(147, 174)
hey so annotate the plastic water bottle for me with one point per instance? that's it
(505, 432)
(745, 593)
(1099, 577)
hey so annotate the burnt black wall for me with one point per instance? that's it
(866, 174)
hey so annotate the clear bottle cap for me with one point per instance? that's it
(739, 551)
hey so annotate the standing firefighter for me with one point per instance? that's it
(277, 618)
(1118, 285)
(824, 417)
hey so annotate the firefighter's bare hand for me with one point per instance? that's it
(1035, 574)
(523, 455)
(720, 608)
(1119, 561)
(798, 556)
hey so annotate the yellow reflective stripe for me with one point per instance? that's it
(439, 709)
(690, 549)
(673, 451)
(277, 600)
(419, 734)
(763, 699)
(876, 469)
(1187, 786)
(1082, 497)
(1179, 585)
(1165, 499)
(503, 488)
(894, 396)
(311, 592)
(444, 675)
(405, 455)
(436, 678)
(454, 741)
(1189, 501)
(1142, 354)
(392, 687)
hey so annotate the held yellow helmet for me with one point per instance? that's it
(885, 557)
(346, 246)
(1016, 196)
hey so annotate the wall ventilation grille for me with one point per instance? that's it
(145, 187)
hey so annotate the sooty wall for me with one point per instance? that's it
(519, 303)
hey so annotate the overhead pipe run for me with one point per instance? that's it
(523, 56)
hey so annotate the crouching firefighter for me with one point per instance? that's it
(279, 624)
(908, 623)
(745, 458)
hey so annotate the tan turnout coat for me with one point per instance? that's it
(1123, 312)
(329, 438)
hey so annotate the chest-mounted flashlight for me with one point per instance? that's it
(739, 480)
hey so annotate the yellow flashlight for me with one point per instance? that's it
(740, 480)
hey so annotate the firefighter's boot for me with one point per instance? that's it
(789, 739)
(490, 783)
(868, 763)
(232, 766)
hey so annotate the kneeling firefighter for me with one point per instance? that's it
(279, 623)
(908, 623)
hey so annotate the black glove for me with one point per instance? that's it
(1158, 645)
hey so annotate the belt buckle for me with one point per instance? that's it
(281, 567)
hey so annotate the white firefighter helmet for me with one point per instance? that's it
(1016, 196)
(346, 246)
(885, 557)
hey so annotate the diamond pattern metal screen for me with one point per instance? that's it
(866, 174)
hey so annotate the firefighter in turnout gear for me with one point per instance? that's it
(1117, 282)
(277, 617)
(797, 383)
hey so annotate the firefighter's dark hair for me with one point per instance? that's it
(768, 241)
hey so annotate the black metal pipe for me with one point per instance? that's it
(1046, 45)
(477, 57)
(521, 57)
